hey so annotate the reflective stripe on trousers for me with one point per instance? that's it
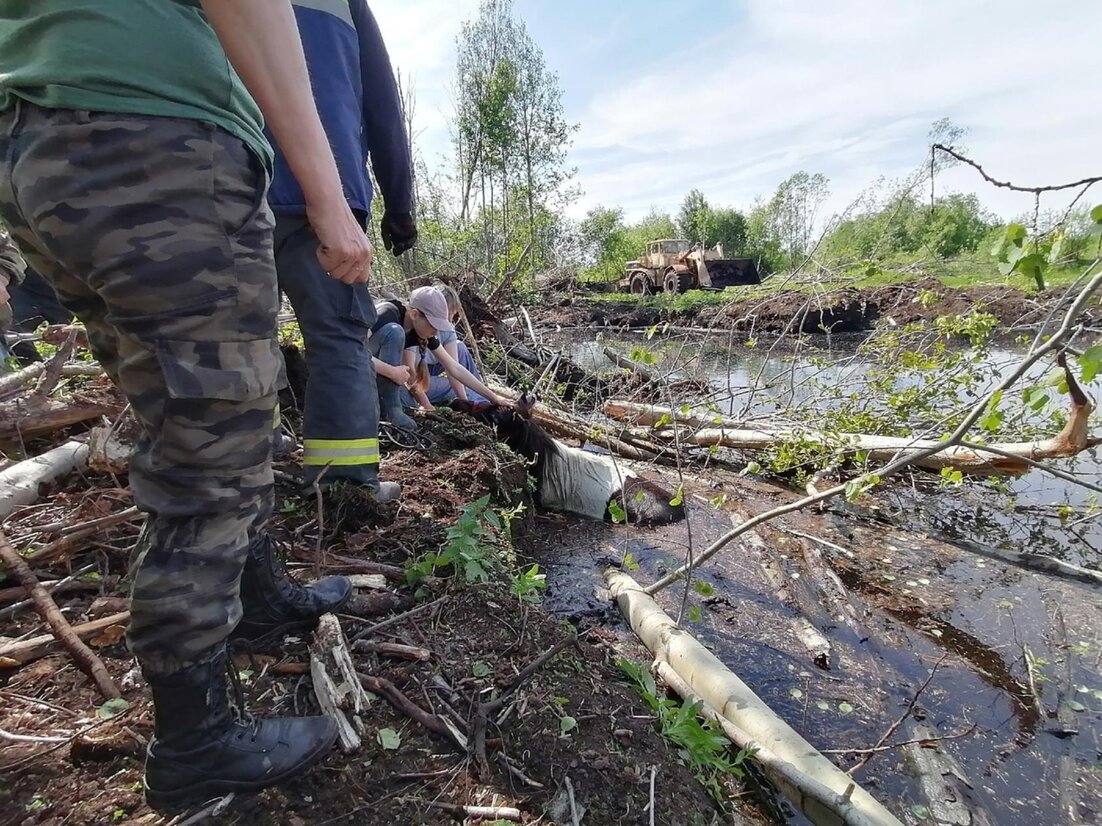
(340, 452)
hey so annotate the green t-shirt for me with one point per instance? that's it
(144, 57)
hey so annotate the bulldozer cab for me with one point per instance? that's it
(666, 252)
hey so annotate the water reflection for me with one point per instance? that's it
(1027, 518)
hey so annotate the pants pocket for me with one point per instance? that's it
(218, 406)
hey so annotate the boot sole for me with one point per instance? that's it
(208, 789)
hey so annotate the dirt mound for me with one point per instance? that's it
(844, 310)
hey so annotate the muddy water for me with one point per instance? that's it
(911, 605)
(1027, 517)
(1011, 660)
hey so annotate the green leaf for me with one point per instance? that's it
(1096, 214)
(389, 739)
(567, 724)
(822, 705)
(1033, 266)
(920, 811)
(1015, 234)
(112, 708)
(1091, 362)
(705, 589)
(678, 498)
(1075, 705)
(845, 708)
(480, 669)
(616, 512)
(695, 614)
(796, 693)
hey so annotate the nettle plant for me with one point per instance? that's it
(478, 549)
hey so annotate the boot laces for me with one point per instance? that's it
(250, 725)
(289, 589)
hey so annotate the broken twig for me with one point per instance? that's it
(85, 658)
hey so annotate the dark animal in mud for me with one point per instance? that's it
(573, 480)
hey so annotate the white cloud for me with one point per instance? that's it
(849, 88)
(420, 37)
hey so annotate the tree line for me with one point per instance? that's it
(498, 207)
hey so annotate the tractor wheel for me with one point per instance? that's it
(639, 285)
(676, 282)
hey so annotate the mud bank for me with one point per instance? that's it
(846, 310)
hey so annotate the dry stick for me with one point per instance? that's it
(906, 713)
(484, 710)
(379, 626)
(574, 819)
(892, 468)
(474, 812)
(384, 687)
(211, 812)
(28, 650)
(1036, 190)
(89, 663)
(53, 370)
(74, 537)
(916, 741)
(318, 563)
(653, 774)
(49, 588)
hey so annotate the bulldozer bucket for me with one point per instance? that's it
(730, 272)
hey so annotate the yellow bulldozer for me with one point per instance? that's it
(677, 265)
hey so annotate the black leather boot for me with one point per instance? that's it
(201, 748)
(274, 604)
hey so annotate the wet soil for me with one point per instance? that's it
(910, 621)
(846, 310)
(480, 637)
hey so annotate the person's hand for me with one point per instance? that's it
(400, 374)
(399, 232)
(343, 250)
(504, 403)
(4, 296)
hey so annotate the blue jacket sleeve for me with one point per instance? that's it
(384, 124)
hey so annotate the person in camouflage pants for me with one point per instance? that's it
(141, 197)
(180, 305)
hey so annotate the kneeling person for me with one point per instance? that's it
(401, 333)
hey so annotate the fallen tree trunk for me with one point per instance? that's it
(805, 791)
(33, 417)
(1002, 459)
(19, 484)
(829, 797)
(564, 425)
(628, 364)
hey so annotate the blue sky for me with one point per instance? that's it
(732, 96)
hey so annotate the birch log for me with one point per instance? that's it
(721, 689)
(19, 484)
(1003, 459)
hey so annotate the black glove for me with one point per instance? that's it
(399, 231)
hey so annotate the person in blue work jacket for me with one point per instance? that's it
(357, 99)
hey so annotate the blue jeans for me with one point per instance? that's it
(440, 389)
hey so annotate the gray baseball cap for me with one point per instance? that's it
(432, 303)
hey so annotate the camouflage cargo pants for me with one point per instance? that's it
(155, 232)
